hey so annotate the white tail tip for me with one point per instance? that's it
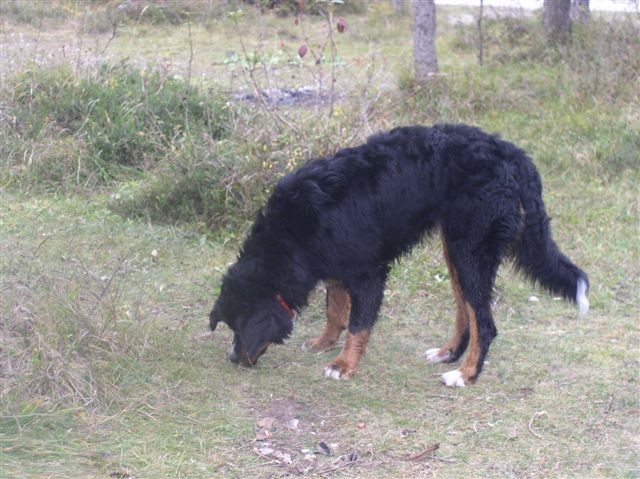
(581, 298)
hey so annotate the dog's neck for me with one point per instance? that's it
(276, 273)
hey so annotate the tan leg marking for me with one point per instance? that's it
(462, 318)
(345, 364)
(469, 368)
(338, 307)
(467, 373)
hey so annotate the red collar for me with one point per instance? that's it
(284, 305)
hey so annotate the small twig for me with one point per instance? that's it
(249, 70)
(135, 26)
(480, 34)
(332, 42)
(113, 35)
(609, 405)
(37, 40)
(442, 459)
(344, 465)
(530, 427)
(317, 73)
(35, 251)
(264, 456)
(190, 54)
(106, 287)
(422, 455)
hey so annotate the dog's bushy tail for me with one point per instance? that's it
(536, 254)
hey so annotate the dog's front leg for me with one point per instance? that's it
(345, 364)
(366, 297)
(338, 307)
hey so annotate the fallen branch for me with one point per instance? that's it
(342, 462)
(422, 455)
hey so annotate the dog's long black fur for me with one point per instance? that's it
(347, 217)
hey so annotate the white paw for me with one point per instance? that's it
(433, 356)
(453, 379)
(331, 373)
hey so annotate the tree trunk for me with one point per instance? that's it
(425, 60)
(580, 11)
(556, 20)
(480, 34)
(398, 6)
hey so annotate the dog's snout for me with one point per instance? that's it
(234, 357)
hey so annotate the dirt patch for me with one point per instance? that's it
(298, 439)
(305, 95)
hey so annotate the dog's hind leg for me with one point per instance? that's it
(457, 344)
(476, 264)
(366, 298)
(482, 331)
(338, 307)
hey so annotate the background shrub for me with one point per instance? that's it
(122, 119)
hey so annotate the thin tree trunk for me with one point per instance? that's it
(580, 11)
(556, 20)
(398, 5)
(425, 60)
(480, 34)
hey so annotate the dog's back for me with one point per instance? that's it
(380, 198)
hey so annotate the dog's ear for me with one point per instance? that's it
(264, 328)
(214, 317)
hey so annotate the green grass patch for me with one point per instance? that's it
(126, 193)
(108, 366)
(85, 129)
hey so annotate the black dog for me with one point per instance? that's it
(346, 218)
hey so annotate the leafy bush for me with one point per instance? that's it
(210, 187)
(36, 14)
(153, 12)
(223, 184)
(521, 71)
(120, 117)
(603, 59)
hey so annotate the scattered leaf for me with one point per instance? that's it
(265, 451)
(322, 448)
(283, 457)
(263, 434)
(302, 51)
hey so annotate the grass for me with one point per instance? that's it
(107, 365)
(117, 116)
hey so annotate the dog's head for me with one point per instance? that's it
(255, 317)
